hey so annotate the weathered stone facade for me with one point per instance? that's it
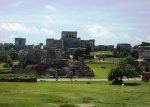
(68, 40)
(123, 47)
(144, 62)
(144, 58)
(104, 47)
(20, 43)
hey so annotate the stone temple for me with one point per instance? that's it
(69, 40)
(49, 59)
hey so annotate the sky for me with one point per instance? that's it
(107, 21)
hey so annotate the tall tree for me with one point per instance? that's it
(88, 49)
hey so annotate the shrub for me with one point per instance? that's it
(6, 65)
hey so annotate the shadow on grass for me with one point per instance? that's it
(131, 84)
(68, 105)
(126, 84)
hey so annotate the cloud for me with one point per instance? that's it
(125, 36)
(148, 37)
(50, 8)
(12, 36)
(56, 20)
(21, 28)
(98, 31)
(139, 39)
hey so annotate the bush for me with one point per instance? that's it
(6, 65)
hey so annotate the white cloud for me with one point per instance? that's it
(98, 31)
(12, 36)
(21, 28)
(139, 39)
(125, 36)
(50, 8)
(46, 31)
(56, 20)
(148, 37)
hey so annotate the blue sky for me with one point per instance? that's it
(107, 21)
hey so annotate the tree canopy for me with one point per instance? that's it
(126, 67)
(88, 49)
(78, 53)
(145, 44)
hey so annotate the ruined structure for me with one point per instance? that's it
(20, 43)
(144, 62)
(104, 48)
(123, 47)
(49, 59)
(144, 58)
(69, 40)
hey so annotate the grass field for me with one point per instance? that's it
(101, 69)
(6, 69)
(57, 94)
(101, 52)
(2, 68)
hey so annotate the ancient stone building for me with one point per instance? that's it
(54, 43)
(144, 58)
(104, 48)
(69, 40)
(123, 47)
(144, 62)
(20, 43)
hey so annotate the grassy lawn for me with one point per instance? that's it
(55, 94)
(2, 68)
(112, 59)
(6, 69)
(98, 69)
(101, 52)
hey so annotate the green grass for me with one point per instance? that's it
(6, 69)
(64, 94)
(101, 52)
(98, 71)
(112, 60)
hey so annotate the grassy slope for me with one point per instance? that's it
(101, 72)
(54, 94)
(108, 63)
(2, 68)
(6, 69)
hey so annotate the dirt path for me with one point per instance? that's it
(85, 79)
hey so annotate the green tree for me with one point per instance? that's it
(1, 46)
(135, 53)
(78, 53)
(5, 58)
(8, 46)
(127, 67)
(13, 54)
(88, 49)
(41, 44)
(145, 44)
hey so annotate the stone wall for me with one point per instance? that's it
(123, 47)
(144, 58)
(104, 47)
